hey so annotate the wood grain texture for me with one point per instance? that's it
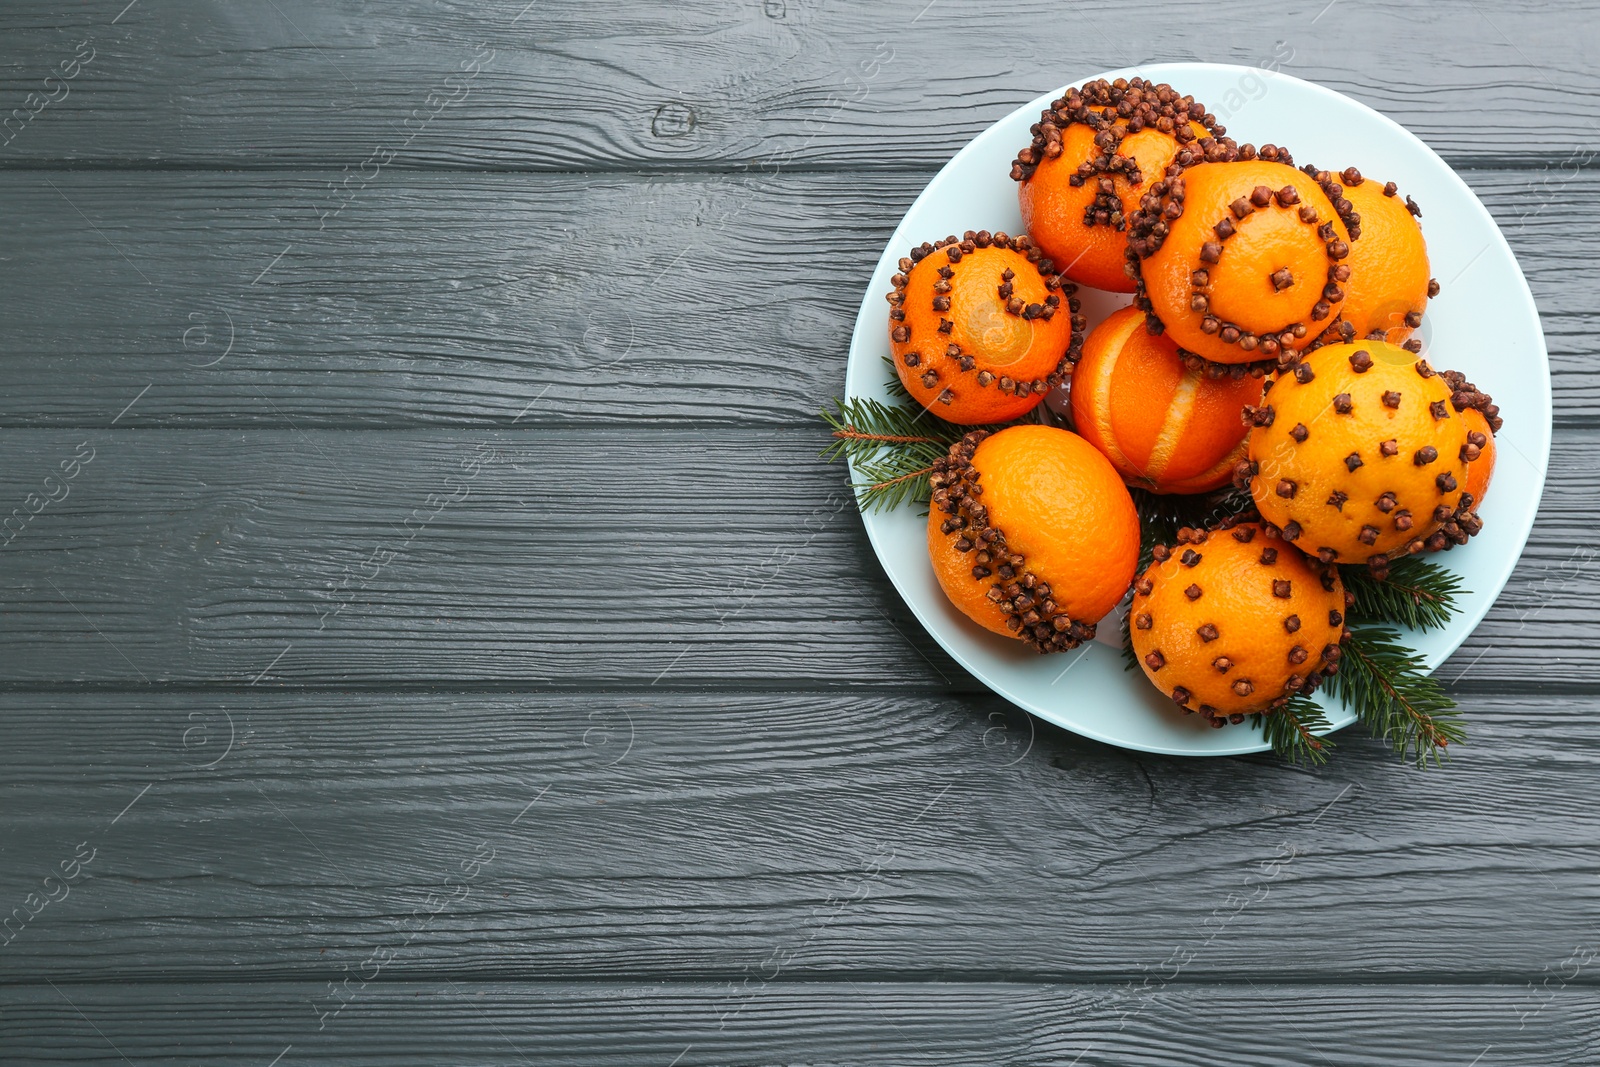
(782, 83)
(803, 836)
(454, 592)
(396, 1023)
(560, 557)
(493, 299)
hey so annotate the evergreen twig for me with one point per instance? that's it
(896, 387)
(1418, 594)
(1387, 685)
(892, 449)
(1294, 731)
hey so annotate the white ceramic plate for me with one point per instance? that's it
(1087, 690)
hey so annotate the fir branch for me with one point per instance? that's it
(892, 449)
(1294, 731)
(850, 433)
(895, 386)
(1388, 687)
(860, 424)
(1418, 594)
(886, 485)
(1162, 515)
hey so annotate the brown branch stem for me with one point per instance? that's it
(1417, 593)
(850, 433)
(1423, 720)
(901, 478)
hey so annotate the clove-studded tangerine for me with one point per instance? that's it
(1358, 454)
(981, 327)
(1032, 534)
(1390, 280)
(1234, 622)
(1243, 262)
(1095, 153)
(1481, 470)
(1482, 418)
(1166, 427)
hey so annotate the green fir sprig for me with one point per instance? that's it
(1418, 594)
(892, 449)
(1297, 731)
(1387, 685)
(1162, 515)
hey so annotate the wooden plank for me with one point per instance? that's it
(567, 85)
(564, 558)
(493, 299)
(396, 1023)
(777, 782)
(709, 836)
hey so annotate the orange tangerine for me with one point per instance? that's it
(1095, 153)
(1482, 418)
(1481, 469)
(1390, 283)
(1358, 455)
(1165, 427)
(982, 327)
(1032, 533)
(1234, 622)
(1242, 262)
(1061, 217)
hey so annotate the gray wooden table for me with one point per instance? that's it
(430, 637)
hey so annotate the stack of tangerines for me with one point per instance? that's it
(1268, 345)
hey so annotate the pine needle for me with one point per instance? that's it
(1130, 658)
(896, 387)
(1387, 686)
(892, 449)
(1293, 731)
(1418, 594)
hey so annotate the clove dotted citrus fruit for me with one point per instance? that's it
(1032, 534)
(1235, 622)
(1243, 262)
(981, 327)
(1095, 153)
(1390, 281)
(1165, 426)
(1358, 454)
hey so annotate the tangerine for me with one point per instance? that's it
(1241, 262)
(1235, 622)
(1165, 427)
(1357, 454)
(1032, 533)
(1390, 283)
(978, 329)
(1096, 151)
